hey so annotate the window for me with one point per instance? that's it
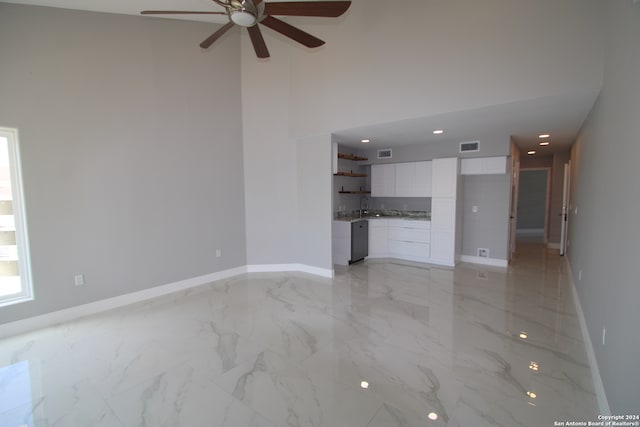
(15, 273)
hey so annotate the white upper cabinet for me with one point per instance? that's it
(411, 179)
(484, 166)
(424, 179)
(445, 177)
(405, 179)
(383, 180)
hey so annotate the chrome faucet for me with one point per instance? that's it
(364, 205)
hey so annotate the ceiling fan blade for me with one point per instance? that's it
(329, 9)
(215, 36)
(258, 42)
(292, 32)
(178, 12)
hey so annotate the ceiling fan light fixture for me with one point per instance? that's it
(244, 18)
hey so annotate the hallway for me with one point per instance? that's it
(382, 344)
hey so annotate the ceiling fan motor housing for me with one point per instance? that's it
(244, 12)
(250, 13)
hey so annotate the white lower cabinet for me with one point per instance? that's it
(341, 242)
(410, 240)
(444, 247)
(400, 238)
(378, 238)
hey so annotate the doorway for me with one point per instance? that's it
(533, 205)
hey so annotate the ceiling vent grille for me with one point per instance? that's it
(470, 147)
(385, 154)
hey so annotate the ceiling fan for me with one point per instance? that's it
(250, 13)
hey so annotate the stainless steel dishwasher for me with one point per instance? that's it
(359, 240)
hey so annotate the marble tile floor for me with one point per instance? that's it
(383, 344)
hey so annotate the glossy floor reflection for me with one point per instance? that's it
(381, 345)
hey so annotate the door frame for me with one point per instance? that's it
(513, 206)
(566, 191)
(547, 199)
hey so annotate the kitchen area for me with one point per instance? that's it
(406, 210)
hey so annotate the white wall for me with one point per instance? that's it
(604, 234)
(131, 151)
(489, 226)
(382, 66)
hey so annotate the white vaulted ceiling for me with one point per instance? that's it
(560, 115)
(133, 7)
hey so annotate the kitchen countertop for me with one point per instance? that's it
(352, 216)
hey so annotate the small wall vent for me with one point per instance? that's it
(385, 154)
(470, 147)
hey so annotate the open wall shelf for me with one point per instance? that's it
(351, 157)
(352, 174)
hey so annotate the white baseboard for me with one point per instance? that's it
(529, 231)
(274, 268)
(553, 245)
(495, 262)
(68, 314)
(603, 402)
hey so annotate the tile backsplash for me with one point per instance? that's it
(401, 203)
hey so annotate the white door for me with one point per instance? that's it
(565, 209)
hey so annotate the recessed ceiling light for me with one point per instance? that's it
(523, 335)
(534, 366)
(531, 153)
(544, 143)
(432, 416)
(365, 141)
(364, 385)
(546, 135)
(532, 394)
(438, 132)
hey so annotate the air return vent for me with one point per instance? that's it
(384, 154)
(470, 147)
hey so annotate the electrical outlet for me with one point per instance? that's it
(474, 209)
(483, 252)
(579, 275)
(604, 335)
(79, 280)
(218, 253)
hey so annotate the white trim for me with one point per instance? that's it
(553, 246)
(72, 313)
(495, 262)
(68, 314)
(603, 402)
(19, 214)
(529, 231)
(277, 268)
